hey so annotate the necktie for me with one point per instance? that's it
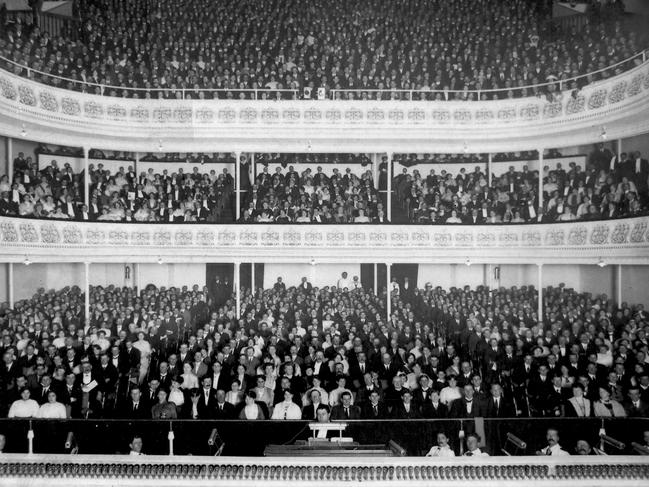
(469, 454)
(376, 410)
(548, 451)
(134, 406)
(285, 412)
(347, 413)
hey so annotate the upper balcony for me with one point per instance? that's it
(52, 115)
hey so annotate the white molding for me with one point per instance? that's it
(624, 241)
(59, 116)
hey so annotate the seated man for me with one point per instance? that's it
(553, 447)
(472, 450)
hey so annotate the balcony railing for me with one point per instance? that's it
(539, 89)
(580, 241)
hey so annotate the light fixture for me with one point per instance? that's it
(309, 147)
(601, 263)
(23, 132)
(160, 145)
(467, 262)
(312, 261)
(466, 148)
(27, 261)
(603, 134)
(159, 260)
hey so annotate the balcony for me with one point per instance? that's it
(66, 117)
(623, 241)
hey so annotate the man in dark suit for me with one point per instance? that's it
(346, 410)
(635, 407)
(70, 395)
(540, 389)
(421, 395)
(107, 374)
(135, 407)
(309, 412)
(305, 285)
(374, 408)
(222, 409)
(496, 405)
(406, 409)
(434, 409)
(205, 401)
(466, 406)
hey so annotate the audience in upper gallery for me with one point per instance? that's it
(308, 196)
(606, 188)
(230, 46)
(457, 353)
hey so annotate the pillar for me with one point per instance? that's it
(10, 158)
(375, 170)
(254, 167)
(540, 290)
(490, 174)
(389, 195)
(87, 292)
(618, 284)
(252, 278)
(619, 151)
(136, 276)
(86, 176)
(237, 184)
(10, 284)
(376, 279)
(388, 278)
(540, 190)
(137, 163)
(237, 288)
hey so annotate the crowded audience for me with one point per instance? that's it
(606, 188)
(314, 197)
(456, 353)
(57, 192)
(174, 49)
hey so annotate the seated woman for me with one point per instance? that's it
(442, 449)
(251, 410)
(607, 407)
(190, 380)
(52, 409)
(234, 396)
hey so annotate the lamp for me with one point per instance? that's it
(23, 132)
(467, 262)
(603, 134)
(601, 263)
(313, 262)
(27, 261)
(160, 260)
(160, 145)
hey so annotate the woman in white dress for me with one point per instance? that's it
(442, 449)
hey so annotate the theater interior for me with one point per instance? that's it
(399, 243)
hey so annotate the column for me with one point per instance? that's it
(237, 288)
(10, 284)
(540, 290)
(376, 279)
(375, 170)
(87, 291)
(254, 167)
(540, 190)
(618, 284)
(86, 176)
(237, 184)
(136, 276)
(389, 195)
(10, 158)
(490, 174)
(388, 278)
(137, 163)
(252, 277)
(619, 150)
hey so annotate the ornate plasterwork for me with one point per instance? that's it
(20, 235)
(65, 106)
